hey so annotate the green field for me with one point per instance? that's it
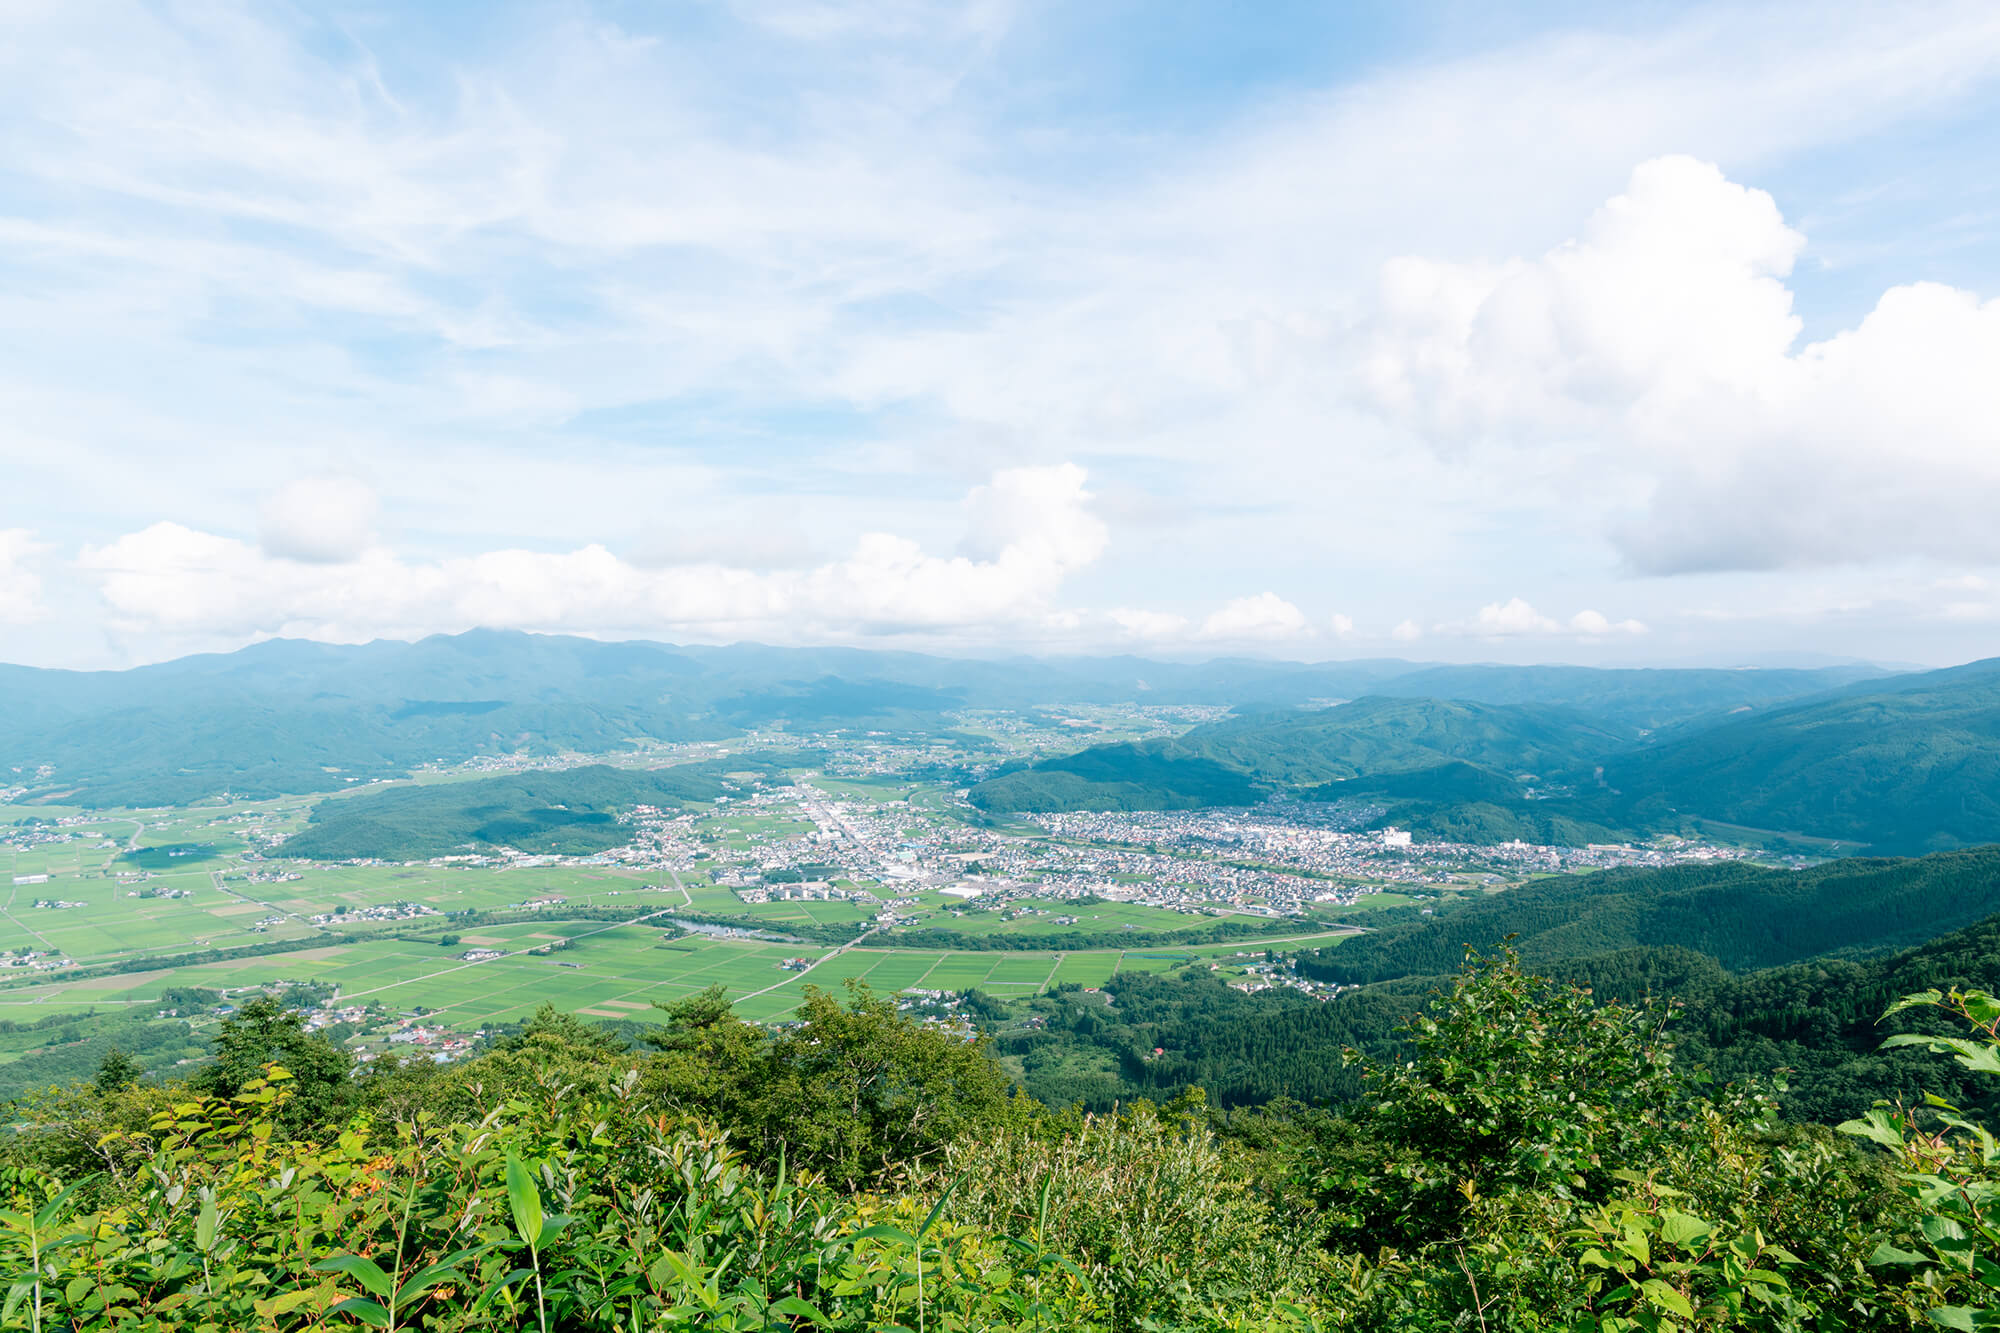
(606, 972)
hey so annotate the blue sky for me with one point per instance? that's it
(1662, 333)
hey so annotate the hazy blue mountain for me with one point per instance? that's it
(294, 716)
(1644, 697)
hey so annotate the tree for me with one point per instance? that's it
(863, 1093)
(265, 1032)
(710, 1061)
(117, 1072)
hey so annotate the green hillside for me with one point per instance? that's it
(1741, 915)
(572, 812)
(1229, 762)
(1912, 769)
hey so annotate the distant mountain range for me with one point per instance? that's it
(1478, 753)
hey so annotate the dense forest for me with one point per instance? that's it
(1744, 916)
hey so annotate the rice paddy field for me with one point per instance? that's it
(617, 971)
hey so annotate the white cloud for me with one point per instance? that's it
(1666, 332)
(172, 578)
(1516, 618)
(1595, 624)
(1041, 511)
(20, 584)
(1341, 625)
(1264, 616)
(321, 520)
(1509, 618)
(1142, 624)
(1406, 631)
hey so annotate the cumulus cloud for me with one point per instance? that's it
(1341, 625)
(1406, 630)
(1596, 625)
(1516, 618)
(1665, 335)
(20, 584)
(320, 520)
(1143, 624)
(1042, 512)
(174, 578)
(1264, 616)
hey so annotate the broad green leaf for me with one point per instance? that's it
(365, 1271)
(1928, 997)
(1681, 1228)
(1878, 1125)
(367, 1311)
(1661, 1294)
(289, 1302)
(1974, 1055)
(1982, 1008)
(444, 1270)
(205, 1224)
(525, 1200)
(1885, 1253)
(798, 1309)
(884, 1232)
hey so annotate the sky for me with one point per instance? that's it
(1617, 334)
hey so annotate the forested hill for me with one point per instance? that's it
(572, 812)
(1900, 766)
(1741, 915)
(1815, 1026)
(1223, 763)
(1913, 766)
(1747, 956)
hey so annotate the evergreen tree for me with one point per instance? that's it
(117, 1072)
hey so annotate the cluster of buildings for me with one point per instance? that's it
(1269, 976)
(35, 960)
(379, 912)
